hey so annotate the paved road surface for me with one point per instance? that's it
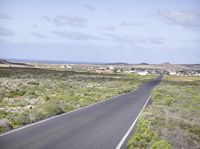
(100, 126)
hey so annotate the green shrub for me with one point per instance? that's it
(49, 109)
(21, 119)
(2, 129)
(44, 111)
(161, 144)
(3, 114)
(68, 108)
(162, 98)
(46, 98)
(33, 83)
(144, 135)
(15, 93)
(36, 116)
(167, 100)
(31, 94)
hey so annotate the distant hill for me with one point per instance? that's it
(119, 63)
(166, 63)
(143, 64)
(12, 63)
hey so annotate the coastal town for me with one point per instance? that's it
(116, 68)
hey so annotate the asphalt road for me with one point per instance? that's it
(100, 126)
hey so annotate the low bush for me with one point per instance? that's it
(33, 83)
(49, 109)
(21, 119)
(14, 93)
(144, 135)
(161, 144)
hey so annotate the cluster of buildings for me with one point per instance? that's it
(183, 72)
(146, 71)
(113, 69)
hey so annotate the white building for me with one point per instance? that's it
(69, 67)
(111, 68)
(130, 71)
(143, 73)
(172, 73)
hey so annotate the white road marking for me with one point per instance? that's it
(132, 126)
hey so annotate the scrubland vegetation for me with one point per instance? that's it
(173, 118)
(30, 95)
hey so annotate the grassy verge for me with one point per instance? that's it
(173, 119)
(30, 95)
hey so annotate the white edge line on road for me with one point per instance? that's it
(106, 100)
(132, 126)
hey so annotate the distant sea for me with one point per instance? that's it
(50, 61)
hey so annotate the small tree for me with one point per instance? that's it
(115, 70)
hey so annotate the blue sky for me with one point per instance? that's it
(132, 31)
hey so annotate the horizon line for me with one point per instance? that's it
(89, 62)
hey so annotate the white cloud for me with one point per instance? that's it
(89, 7)
(108, 28)
(46, 18)
(129, 40)
(39, 35)
(183, 18)
(62, 20)
(132, 24)
(6, 32)
(75, 35)
(4, 16)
